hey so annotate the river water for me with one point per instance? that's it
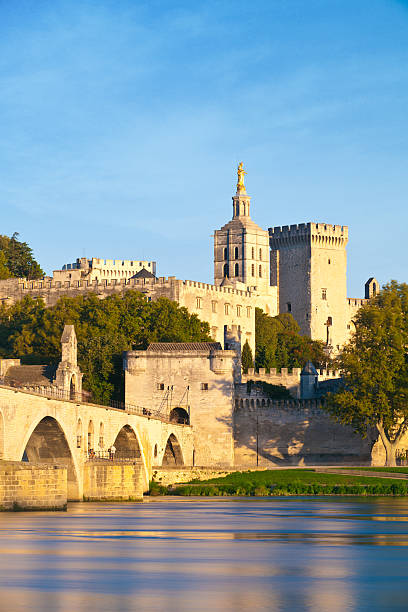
(186, 554)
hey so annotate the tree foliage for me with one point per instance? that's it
(16, 259)
(247, 358)
(374, 366)
(280, 345)
(105, 328)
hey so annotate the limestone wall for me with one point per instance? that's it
(32, 487)
(293, 433)
(105, 481)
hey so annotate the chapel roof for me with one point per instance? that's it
(41, 375)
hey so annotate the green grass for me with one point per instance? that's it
(286, 482)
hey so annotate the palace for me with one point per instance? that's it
(300, 269)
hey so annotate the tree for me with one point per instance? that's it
(19, 259)
(280, 345)
(246, 357)
(374, 366)
(4, 271)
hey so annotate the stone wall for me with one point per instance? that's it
(104, 481)
(292, 432)
(32, 487)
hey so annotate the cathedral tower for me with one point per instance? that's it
(241, 247)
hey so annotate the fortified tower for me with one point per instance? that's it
(241, 247)
(309, 266)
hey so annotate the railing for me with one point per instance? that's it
(126, 456)
(61, 394)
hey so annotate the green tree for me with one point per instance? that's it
(374, 366)
(4, 271)
(246, 357)
(280, 345)
(19, 258)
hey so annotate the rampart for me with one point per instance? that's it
(288, 378)
(271, 432)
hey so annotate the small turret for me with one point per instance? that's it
(308, 381)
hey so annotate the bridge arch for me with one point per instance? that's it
(127, 441)
(46, 442)
(172, 452)
(126, 444)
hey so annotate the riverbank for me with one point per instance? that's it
(287, 482)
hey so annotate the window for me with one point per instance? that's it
(239, 311)
(253, 269)
(248, 311)
(199, 302)
(236, 270)
(329, 321)
(155, 450)
(260, 254)
(324, 294)
(226, 308)
(225, 253)
(260, 271)
(348, 326)
(79, 441)
(253, 253)
(204, 386)
(329, 261)
(236, 253)
(226, 272)
(289, 306)
(214, 306)
(374, 288)
(160, 386)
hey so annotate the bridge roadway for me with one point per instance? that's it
(44, 429)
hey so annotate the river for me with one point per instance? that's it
(187, 554)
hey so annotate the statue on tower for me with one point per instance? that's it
(241, 173)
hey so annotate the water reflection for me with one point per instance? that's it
(192, 554)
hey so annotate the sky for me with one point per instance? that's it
(122, 123)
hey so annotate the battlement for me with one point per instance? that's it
(356, 302)
(316, 234)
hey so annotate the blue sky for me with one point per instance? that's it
(121, 124)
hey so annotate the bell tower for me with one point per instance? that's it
(241, 247)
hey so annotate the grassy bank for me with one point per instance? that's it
(286, 482)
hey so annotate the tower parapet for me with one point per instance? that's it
(314, 234)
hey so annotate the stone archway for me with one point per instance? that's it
(48, 444)
(73, 387)
(172, 453)
(180, 416)
(127, 445)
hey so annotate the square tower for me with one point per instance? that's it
(309, 266)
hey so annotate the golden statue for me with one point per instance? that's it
(241, 173)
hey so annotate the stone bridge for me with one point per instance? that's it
(45, 430)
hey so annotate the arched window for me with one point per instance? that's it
(236, 253)
(225, 253)
(253, 269)
(260, 271)
(226, 272)
(90, 435)
(236, 270)
(260, 254)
